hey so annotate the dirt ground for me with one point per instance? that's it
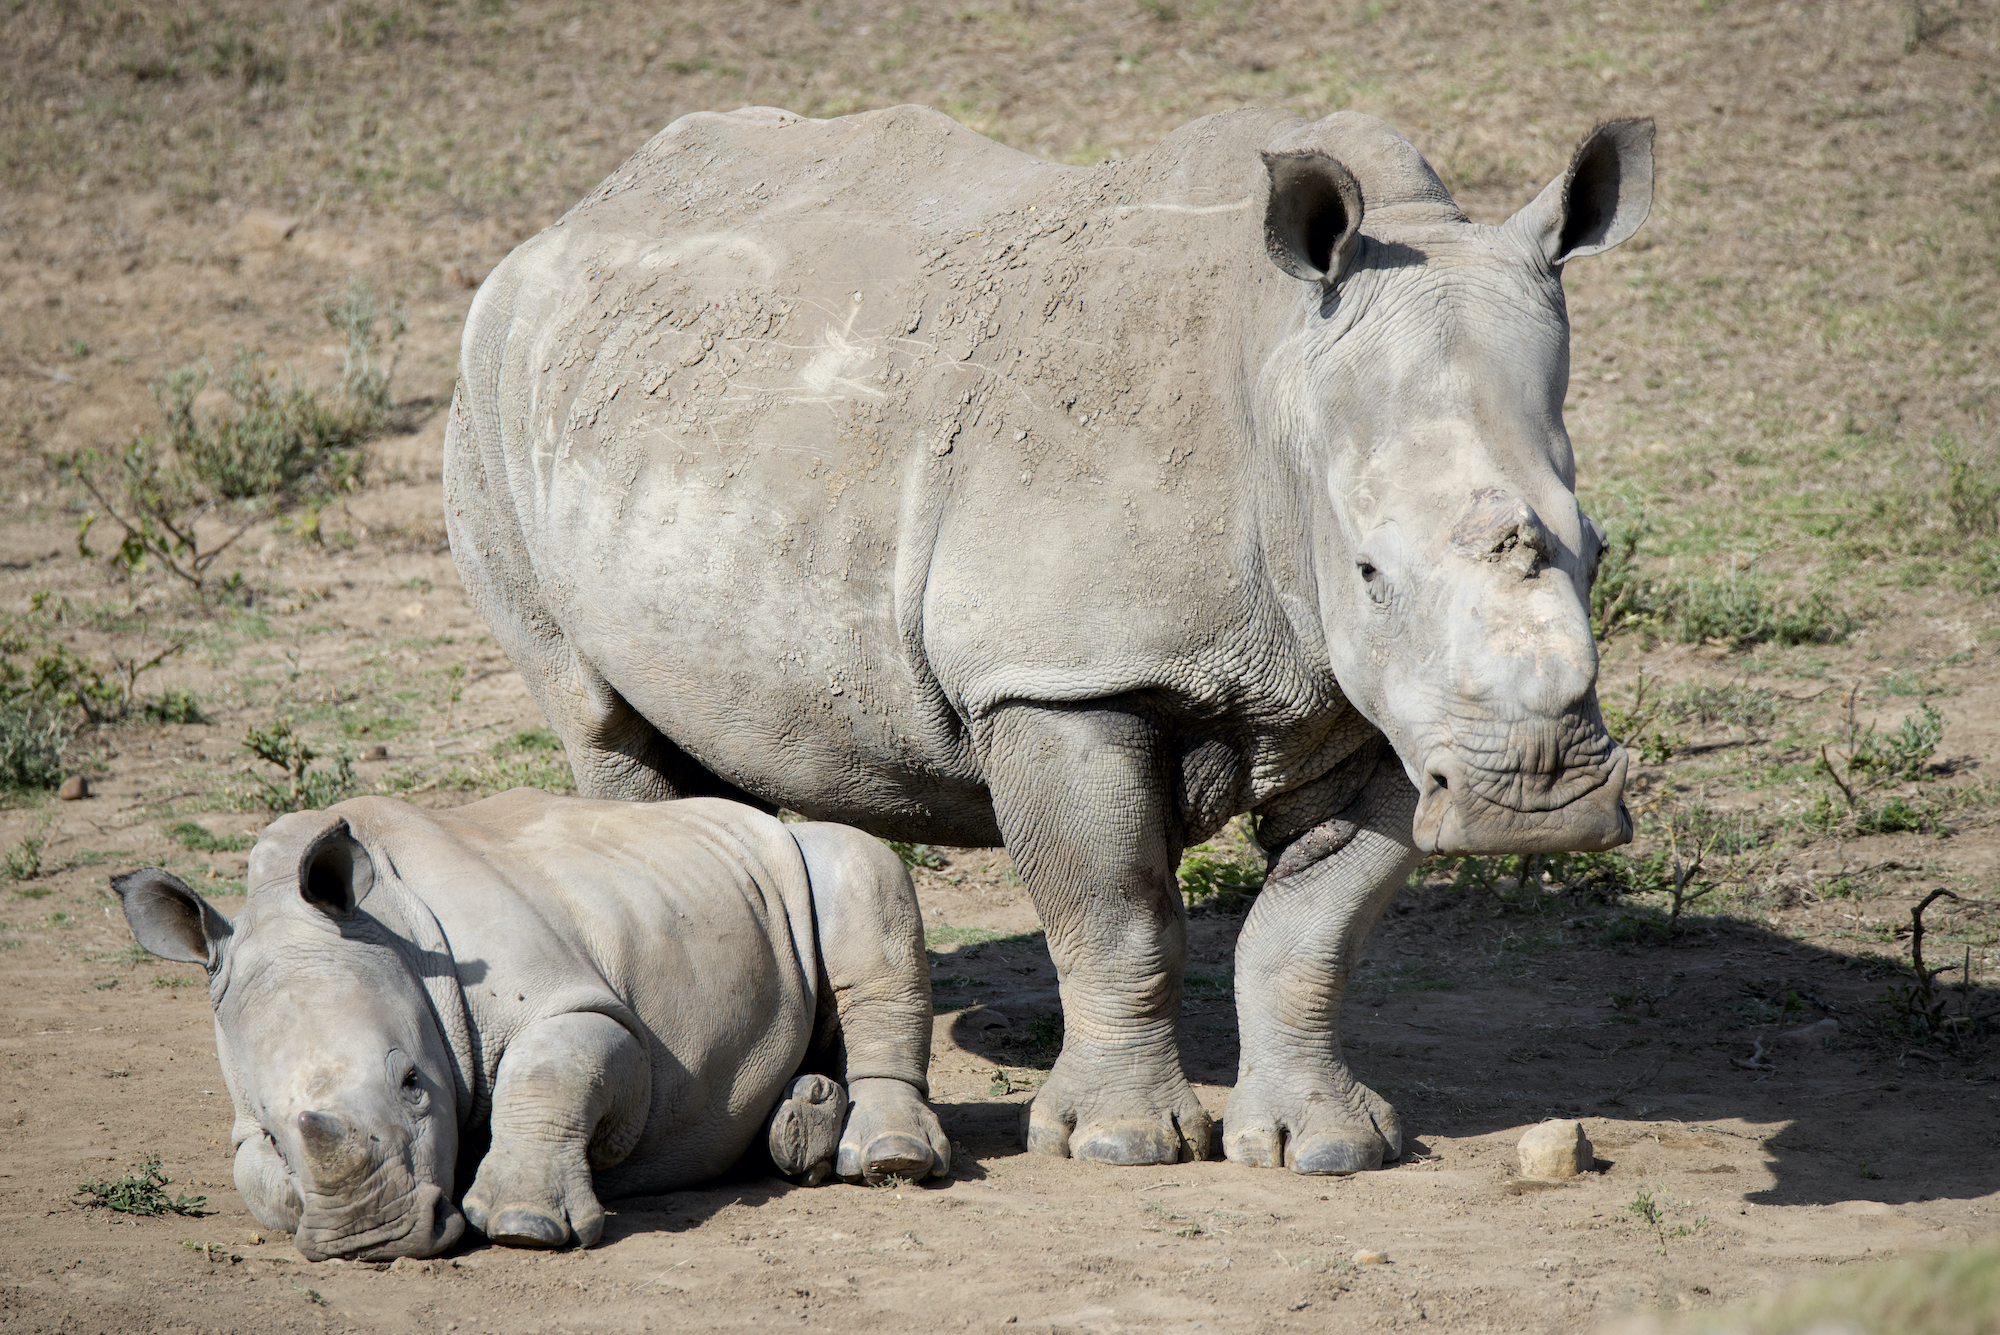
(174, 216)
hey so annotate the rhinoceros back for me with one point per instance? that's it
(689, 922)
(879, 424)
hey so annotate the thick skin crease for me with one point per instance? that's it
(869, 468)
(612, 999)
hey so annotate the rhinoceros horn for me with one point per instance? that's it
(333, 1152)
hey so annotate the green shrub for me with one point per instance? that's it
(173, 705)
(1622, 595)
(1873, 760)
(1736, 609)
(279, 441)
(33, 736)
(23, 862)
(200, 839)
(1971, 494)
(275, 441)
(1901, 755)
(1227, 869)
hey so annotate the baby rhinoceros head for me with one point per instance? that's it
(346, 1108)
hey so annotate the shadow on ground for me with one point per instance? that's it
(1483, 1027)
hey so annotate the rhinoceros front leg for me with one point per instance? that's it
(571, 1095)
(878, 996)
(1083, 800)
(1295, 1102)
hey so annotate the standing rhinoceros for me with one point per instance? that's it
(872, 468)
(615, 996)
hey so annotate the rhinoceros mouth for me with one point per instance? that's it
(1572, 808)
(419, 1223)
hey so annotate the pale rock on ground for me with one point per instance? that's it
(1556, 1149)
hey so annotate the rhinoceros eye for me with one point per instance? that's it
(403, 1074)
(1372, 581)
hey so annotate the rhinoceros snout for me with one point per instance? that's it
(1457, 814)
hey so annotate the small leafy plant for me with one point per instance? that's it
(303, 786)
(1653, 1217)
(917, 856)
(142, 1191)
(1226, 871)
(23, 861)
(1868, 761)
(1639, 724)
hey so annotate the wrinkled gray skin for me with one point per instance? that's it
(621, 997)
(874, 469)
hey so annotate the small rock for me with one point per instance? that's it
(1556, 1149)
(462, 277)
(992, 1019)
(74, 789)
(1366, 1257)
(378, 752)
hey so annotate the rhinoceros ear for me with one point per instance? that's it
(1312, 221)
(1600, 201)
(335, 871)
(169, 919)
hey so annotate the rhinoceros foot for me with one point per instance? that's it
(1340, 1127)
(806, 1127)
(524, 1199)
(891, 1133)
(1080, 1115)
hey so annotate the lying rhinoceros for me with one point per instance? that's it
(621, 997)
(878, 470)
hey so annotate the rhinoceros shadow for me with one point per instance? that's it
(1688, 1050)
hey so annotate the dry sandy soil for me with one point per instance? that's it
(1812, 306)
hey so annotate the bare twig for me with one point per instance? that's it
(1838, 782)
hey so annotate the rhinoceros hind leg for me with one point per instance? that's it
(875, 997)
(805, 1130)
(1295, 1103)
(892, 1133)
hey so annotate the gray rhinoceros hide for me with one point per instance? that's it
(615, 996)
(873, 469)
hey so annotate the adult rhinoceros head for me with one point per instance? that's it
(1423, 388)
(346, 1120)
